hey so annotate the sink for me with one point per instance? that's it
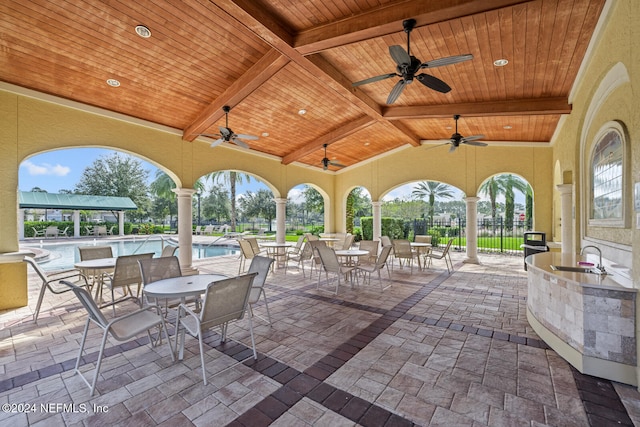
(575, 269)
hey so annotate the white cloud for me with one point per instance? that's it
(296, 195)
(46, 169)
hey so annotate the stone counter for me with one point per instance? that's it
(590, 320)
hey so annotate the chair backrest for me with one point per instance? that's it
(95, 252)
(311, 237)
(260, 265)
(43, 276)
(168, 250)
(315, 244)
(226, 300)
(402, 247)
(385, 241)
(329, 259)
(446, 248)
(254, 244)
(127, 270)
(299, 244)
(422, 238)
(369, 245)
(88, 303)
(348, 241)
(154, 269)
(245, 247)
(384, 255)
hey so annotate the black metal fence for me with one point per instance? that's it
(494, 236)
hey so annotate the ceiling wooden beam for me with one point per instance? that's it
(251, 80)
(329, 138)
(388, 19)
(538, 106)
(264, 26)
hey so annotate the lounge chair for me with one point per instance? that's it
(37, 233)
(51, 231)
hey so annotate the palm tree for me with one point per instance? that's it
(432, 190)
(508, 183)
(232, 178)
(162, 188)
(491, 188)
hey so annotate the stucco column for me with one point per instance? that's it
(185, 231)
(377, 220)
(120, 223)
(566, 217)
(76, 223)
(472, 230)
(20, 224)
(281, 216)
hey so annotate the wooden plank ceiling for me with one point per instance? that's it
(270, 59)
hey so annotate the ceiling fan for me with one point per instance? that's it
(326, 162)
(227, 135)
(408, 66)
(457, 139)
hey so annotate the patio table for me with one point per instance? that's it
(98, 268)
(422, 248)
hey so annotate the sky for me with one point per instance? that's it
(61, 170)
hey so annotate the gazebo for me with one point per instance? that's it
(74, 202)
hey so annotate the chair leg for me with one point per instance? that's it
(264, 296)
(204, 372)
(253, 341)
(39, 304)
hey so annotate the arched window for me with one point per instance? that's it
(607, 178)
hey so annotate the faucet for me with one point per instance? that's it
(599, 266)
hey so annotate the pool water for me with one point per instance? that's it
(64, 255)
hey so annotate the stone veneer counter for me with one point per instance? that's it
(588, 319)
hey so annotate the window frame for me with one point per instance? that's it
(617, 222)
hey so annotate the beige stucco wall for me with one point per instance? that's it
(607, 93)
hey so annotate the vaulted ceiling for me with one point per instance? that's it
(268, 60)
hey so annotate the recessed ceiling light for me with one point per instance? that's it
(448, 128)
(302, 111)
(143, 31)
(366, 144)
(265, 134)
(507, 127)
(500, 62)
(113, 82)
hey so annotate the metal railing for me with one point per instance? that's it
(493, 235)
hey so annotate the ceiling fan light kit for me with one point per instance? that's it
(407, 66)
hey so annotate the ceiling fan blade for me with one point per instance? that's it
(210, 135)
(437, 145)
(249, 137)
(453, 148)
(374, 79)
(336, 164)
(433, 83)
(476, 143)
(399, 55)
(446, 61)
(217, 142)
(240, 142)
(472, 138)
(396, 91)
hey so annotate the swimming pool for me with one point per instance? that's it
(64, 255)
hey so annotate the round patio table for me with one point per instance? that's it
(97, 268)
(277, 251)
(422, 249)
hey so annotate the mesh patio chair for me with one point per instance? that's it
(125, 274)
(402, 251)
(168, 251)
(121, 328)
(255, 246)
(315, 258)
(50, 282)
(260, 265)
(347, 242)
(246, 252)
(369, 268)
(330, 264)
(154, 269)
(372, 247)
(96, 277)
(300, 257)
(225, 301)
(444, 254)
(385, 241)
